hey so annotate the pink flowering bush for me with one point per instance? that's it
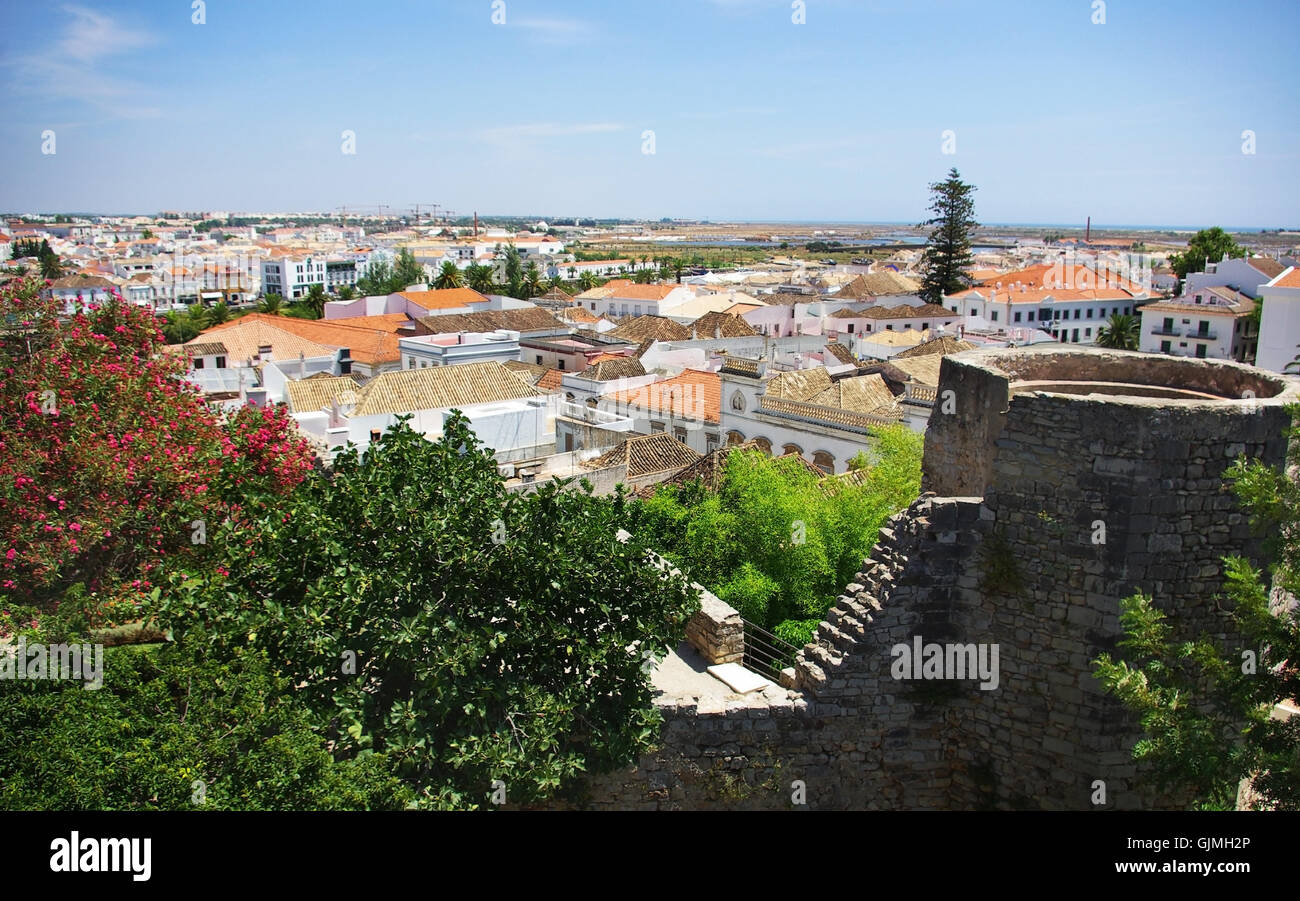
(108, 458)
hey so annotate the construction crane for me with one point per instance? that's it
(416, 210)
(363, 212)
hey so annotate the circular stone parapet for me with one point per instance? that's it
(1090, 403)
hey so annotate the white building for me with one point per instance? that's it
(1279, 330)
(1244, 275)
(452, 348)
(1213, 322)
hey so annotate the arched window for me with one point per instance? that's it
(734, 438)
(792, 449)
(825, 462)
(738, 402)
(764, 445)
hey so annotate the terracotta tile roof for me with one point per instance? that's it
(902, 311)
(205, 349)
(923, 370)
(694, 394)
(1268, 266)
(944, 344)
(722, 324)
(1290, 280)
(82, 281)
(529, 372)
(528, 319)
(840, 353)
(371, 346)
(798, 384)
(656, 327)
(389, 322)
(619, 368)
(860, 394)
(440, 387)
(647, 454)
(559, 294)
(1035, 283)
(553, 380)
(444, 298)
(243, 336)
(877, 284)
(312, 394)
(577, 314)
(630, 291)
(710, 468)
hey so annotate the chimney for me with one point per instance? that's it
(1087, 234)
(476, 223)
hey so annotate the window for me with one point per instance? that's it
(954, 309)
(1030, 317)
(1076, 313)
(824, 461)
(1075, 338)
(680, 435)
(889, 328)
(1200, 350)
(221, 361)
(656, 428)
(710, 442)
(1087, 333)
(538, 357)
(198, 362)
(1017, 317)
(993, 316)
(1165, 347)
(738, 402)
(561, 363)
(850, 328)
(1089, 316)
(792, 449)
(973, 312)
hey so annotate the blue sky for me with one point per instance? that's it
(1136, 121)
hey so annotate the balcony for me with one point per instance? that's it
(1172, 331)
(1203, 335)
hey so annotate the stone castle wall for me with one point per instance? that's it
(1012, 559)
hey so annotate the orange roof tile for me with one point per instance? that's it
(1289, 280)
(444, 298)
(694, 394)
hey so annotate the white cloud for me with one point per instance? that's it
(74, 66)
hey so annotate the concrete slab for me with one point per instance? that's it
(741, 680)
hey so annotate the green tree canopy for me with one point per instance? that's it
(947, 254)
(467, 633)
(1209, 244)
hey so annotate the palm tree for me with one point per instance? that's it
(532, 281)
(1121, 332)
(272, 304)
(219, 313)
(587, 280)
(314, 302)
(479, 277)
(449, 276)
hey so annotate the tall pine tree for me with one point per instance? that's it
(947, 252)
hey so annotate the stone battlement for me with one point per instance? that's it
(1057, 482)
